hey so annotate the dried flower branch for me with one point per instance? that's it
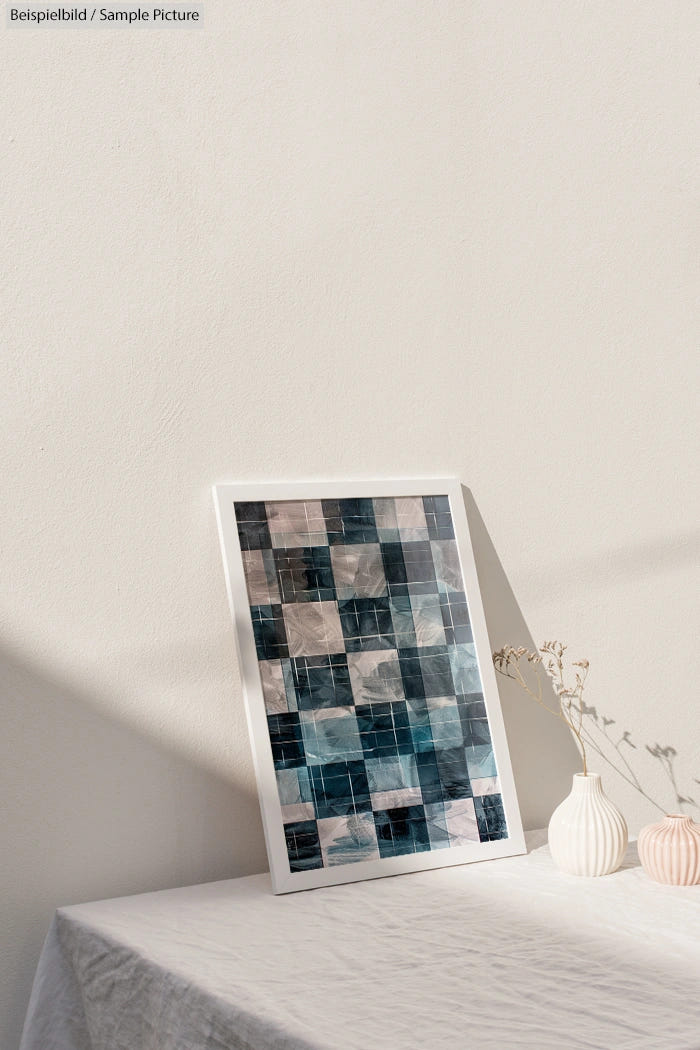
(570, 706)
(588, 728)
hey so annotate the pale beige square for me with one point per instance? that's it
(261, 583)
(324, 714)
(273, 688)
(397, 798)
(297, 524)
(347, 840)
(460, 819)
(446, 561)
(485, 786)
(313, 628)
(358, 571)
(438, 704)
(410, 512)
(427, 619)
(385, 514)
(298, 811)
(375, 675)
(410, 518)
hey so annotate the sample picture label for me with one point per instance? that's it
(124, 16)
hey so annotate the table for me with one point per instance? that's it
(505, 954)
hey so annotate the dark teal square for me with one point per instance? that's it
(453, 773)
(340, 789)
(322, 681)
(490, 818)
(401, 830)
(253, 531)
(269, 632)
(303, 846)
(394, 568)
(350, 521)
(367, 624)
(304, 574)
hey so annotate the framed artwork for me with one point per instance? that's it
(371, 698)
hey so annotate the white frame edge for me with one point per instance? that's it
(284, 881)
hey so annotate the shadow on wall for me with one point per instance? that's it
(542, 750)
(93, 809)
(661, 555)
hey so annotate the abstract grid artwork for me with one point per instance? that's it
(373, 698)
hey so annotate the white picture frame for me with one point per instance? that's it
(386, 497)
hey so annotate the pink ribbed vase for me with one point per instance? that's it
(670, 850)
(587, 833)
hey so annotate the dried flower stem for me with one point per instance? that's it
(570, 707)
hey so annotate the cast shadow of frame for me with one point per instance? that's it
(542, 751)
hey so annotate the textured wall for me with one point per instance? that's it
(323, 240)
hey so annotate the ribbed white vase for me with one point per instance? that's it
(587, 833)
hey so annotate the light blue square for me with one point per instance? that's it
(446, 732)
(465, 669)
(384, 774)
(392, 774)
(437, 825)
(481, 761)
(418, 714)
(410, 770)
(304, 784)
(402, 619)
(422, 738)
(333, 739)
(288, 787)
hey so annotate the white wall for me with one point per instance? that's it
(323, 240)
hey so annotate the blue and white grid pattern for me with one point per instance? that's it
(374, 702)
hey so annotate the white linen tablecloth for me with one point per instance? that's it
(505, 954)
